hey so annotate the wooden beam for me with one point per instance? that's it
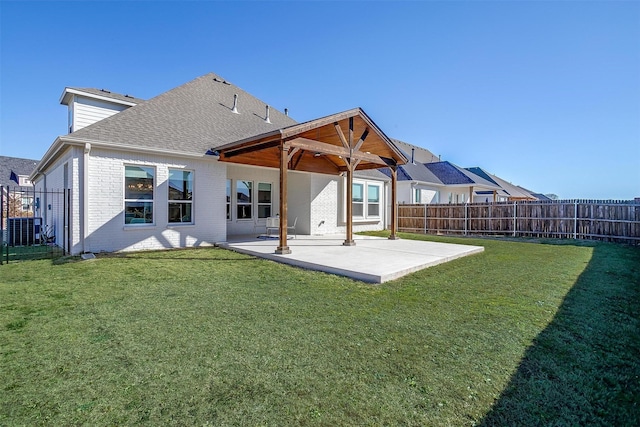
(248, 149)
(394, 203)
(324, 148)
(361, 140)
(348, 241)
(283, 249)
(292, 152)
(341, 135)
(297, 162)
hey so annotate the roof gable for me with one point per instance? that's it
(192, 118)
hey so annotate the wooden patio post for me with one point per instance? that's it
(394, 203)
(349, 237)
(283, 249)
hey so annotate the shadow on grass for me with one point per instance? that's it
(584, 368)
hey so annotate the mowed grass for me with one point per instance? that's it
(522, 334)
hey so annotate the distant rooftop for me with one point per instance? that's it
(100, 93)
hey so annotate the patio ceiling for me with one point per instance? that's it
(329, 145)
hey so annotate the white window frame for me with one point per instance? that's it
(366, 216)
(361, 203)
(229, 191)
(248, 204)
(180, 201)
(367, 212)
(259, 203)
(132, 200)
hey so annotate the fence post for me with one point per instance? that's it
(515, 222)
(466, 217)
(1, 224)
(425, 218)
(575, 220)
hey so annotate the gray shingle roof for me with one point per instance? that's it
(421, 155)
(191, 118)
(108, 94)
(17, 165)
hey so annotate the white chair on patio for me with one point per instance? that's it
(292, 228)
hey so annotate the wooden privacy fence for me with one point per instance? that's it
(614, 221)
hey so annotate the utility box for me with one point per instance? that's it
(23, 231)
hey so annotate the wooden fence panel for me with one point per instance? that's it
(616, 221)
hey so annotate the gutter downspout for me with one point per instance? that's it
(44, 204)
(85, 197)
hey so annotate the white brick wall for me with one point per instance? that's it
(106, 228)
(256, 175)
(328, 212)
(55, 182)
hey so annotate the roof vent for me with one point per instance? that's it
(413, 154)
(235, 104)
(266, 119)
(105, 91)
(286, 111)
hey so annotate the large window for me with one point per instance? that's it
(264, 200)
(138, 194)
(366, 200)
(180, 196)
(244, 199)
(373, 200)
(358, 200)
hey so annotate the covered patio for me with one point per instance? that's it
(374, 260)
(338, 144)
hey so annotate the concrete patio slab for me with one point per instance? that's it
(372, 259)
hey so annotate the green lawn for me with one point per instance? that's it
(522, 334)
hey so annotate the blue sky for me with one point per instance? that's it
(543, 94)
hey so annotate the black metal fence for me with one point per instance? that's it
(34, 224)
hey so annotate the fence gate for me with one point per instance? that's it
(34, 224)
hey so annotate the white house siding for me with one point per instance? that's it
(86, 111)
(328, 205)
(404, 189)
(256, 175)
(325, 204)
(106, 227)
(299, 201)
(55, 182)
(428, 195)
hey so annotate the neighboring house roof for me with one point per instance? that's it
(512, 191)
(420, 154)
(19, 166)
(372, 174)
(100, 93)
(482, 173)
(448, 174)
(192, 118)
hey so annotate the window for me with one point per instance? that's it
(180, 196)
(138, 194)
(228, 199)
(373, 200)
(366, 202)
(417, 197)
(358, 200)
(264, 200)
(243, 192)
